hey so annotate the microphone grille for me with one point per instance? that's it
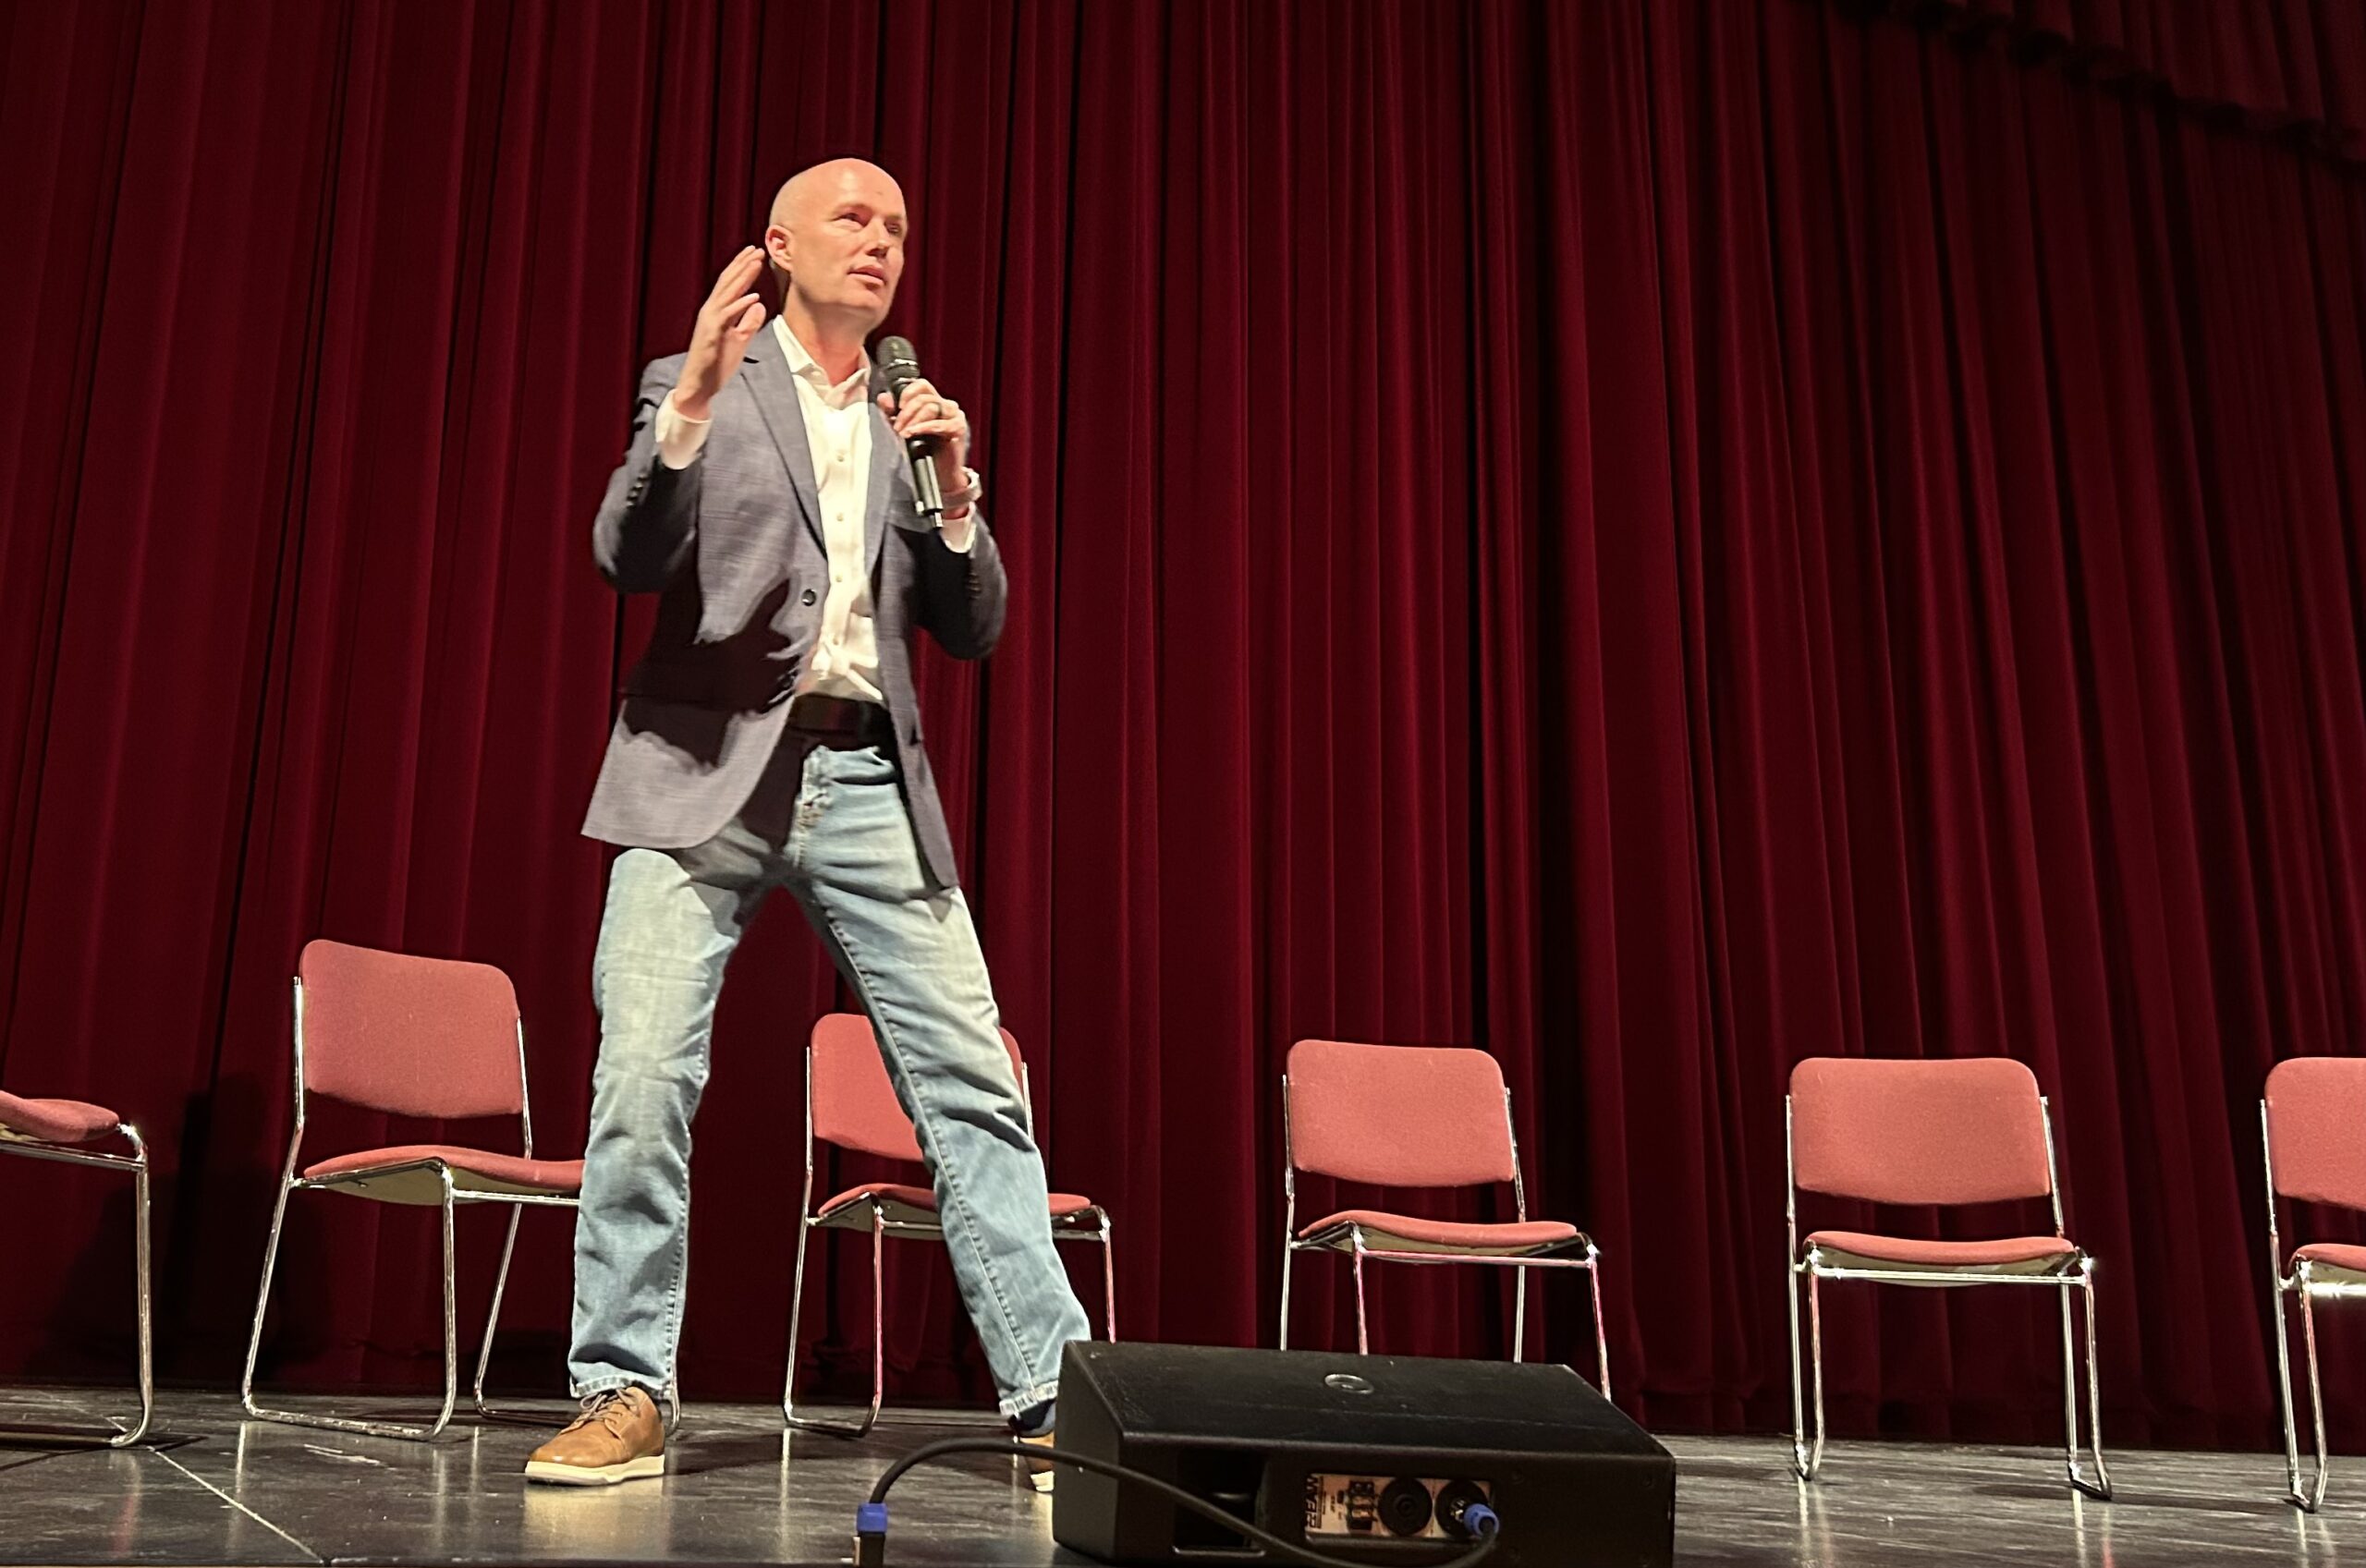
(899, 363)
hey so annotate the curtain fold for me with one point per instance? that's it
(2293, 65)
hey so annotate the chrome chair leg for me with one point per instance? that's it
(789, 1415)
(485, 1411)
(2070, 1390)
(1800, 1461)
(2307, 1499)
(451, 1312)
(2100, 1487)
(141, 1275)
(2316, 1493)
(109, 1432)
(2276, 1292)
(492, 1314)
(1601, 1331)
(1363, 1330)
(263, 1299)
(1815, 1368)
(878, 1318)
(1289, 1257)
(795, 1315)
(2095, 1387)
(1108, 1281)
(340, 1423)
(1519, 1312)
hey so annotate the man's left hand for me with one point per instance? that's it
(925, 413)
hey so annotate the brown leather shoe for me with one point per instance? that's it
(1040, 1471)
(619, 1437)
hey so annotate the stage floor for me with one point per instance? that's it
(218, 1490)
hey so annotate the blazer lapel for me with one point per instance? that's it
(889, 487)
(773, 386)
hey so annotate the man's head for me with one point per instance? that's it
(836, 242)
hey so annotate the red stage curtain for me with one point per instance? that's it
(2287, 64)
(1657, 538)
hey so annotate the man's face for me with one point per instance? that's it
(840, 235)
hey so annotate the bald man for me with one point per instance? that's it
(770, 739)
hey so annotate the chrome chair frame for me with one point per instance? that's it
(1089, 1224)
(2300, 1283)
(1519, 1263)
(452, 1197)
(1808, 1460)
(136, 1163)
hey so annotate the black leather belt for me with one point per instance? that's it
(840, 722)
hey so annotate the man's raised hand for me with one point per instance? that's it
(719, 338)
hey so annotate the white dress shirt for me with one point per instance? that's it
(845, 661)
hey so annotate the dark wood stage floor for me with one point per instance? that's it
(216, 1489)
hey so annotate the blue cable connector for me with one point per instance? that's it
(871, 1534)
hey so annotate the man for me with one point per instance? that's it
(770, 739)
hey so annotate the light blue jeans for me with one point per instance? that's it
(832, 829)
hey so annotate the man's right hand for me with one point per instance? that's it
(719, 340)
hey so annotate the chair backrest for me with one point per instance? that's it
(1398, 1115)
(852, 1101)
(2317, 1129)
(1941, 1132)
(415, 1037)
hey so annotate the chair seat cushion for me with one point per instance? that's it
(1410, 1232)
(2332, 1262)
(901, 1204)
(2008, 1255)
(56, 1121)
(405, 1173)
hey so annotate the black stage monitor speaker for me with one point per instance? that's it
(1367, 1457)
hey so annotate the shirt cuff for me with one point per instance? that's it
(679, 437)
(961, 532)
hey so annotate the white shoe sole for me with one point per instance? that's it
(1039, 1479)
(648, 1467)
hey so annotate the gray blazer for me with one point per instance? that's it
(734, 544)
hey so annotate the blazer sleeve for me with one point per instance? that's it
(963, 596)
(647, 518)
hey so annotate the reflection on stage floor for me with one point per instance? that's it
(217, 1489)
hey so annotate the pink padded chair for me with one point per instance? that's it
(428, 1038)
(2312, 1121)
(1416, 1117)
(63, 1130)
(850, 1103)
(1928, 1133)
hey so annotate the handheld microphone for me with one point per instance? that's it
(901, 366)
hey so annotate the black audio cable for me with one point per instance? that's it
(871, 1518)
